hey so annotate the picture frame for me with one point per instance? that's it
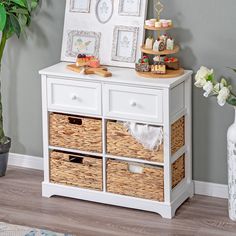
(125, 40)
(80, 6)
(129, 7)
(104, 10)
(103, 26)
(83, 42)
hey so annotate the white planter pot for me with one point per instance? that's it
(231, 139)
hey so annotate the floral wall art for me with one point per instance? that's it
(104, 10)
(108, 29)
(129, 7)
(83, 42)
(82, 6)
(124, 43)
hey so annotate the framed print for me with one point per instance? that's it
(81, 6)
(125, 43)
(104, 10)
(84, 42)
(129, 7)
(112, 35)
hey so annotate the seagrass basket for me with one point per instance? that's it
(177, 135)
(121, 143)
(75, 132)
(178, 171)
(147, 184)
(76, 170)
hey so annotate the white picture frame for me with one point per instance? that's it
(105, 28)
(80, 6)
(83, 42)
(125, 40)
(129, 7)
(104, 10)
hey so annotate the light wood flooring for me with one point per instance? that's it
(21, 203)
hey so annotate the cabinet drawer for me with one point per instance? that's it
(133, 103)
(75, 132)
(76, 170)
(74, 96)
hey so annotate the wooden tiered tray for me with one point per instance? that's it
(169, 74)
(165, 52)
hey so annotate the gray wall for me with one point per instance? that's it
(21, 82)
(206, 34)
(205, 30)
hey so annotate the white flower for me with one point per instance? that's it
(208, 88)
(204, 72)
(200, 83)
(202, 76)
(223, 96)
(218, 87)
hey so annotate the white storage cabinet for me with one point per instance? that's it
(123, 97)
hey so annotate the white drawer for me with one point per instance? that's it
(74, 96)
(133, 103)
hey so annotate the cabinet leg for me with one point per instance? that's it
(168, 213)
(46, 191)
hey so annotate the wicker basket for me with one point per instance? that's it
(177, 135)
(121, 143)
(178, 171)
(75, 132)
(76, 170)
(148, 184)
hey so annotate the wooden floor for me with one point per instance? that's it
(21, 203)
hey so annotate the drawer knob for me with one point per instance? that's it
(133, 104)
(74, 97)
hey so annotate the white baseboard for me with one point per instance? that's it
(201, 188)
(25, 161)
(211, 189)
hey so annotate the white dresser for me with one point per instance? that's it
(123, 97)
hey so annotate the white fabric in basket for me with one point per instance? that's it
(150, 137)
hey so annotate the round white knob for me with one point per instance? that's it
(133, 104)
(74, 97)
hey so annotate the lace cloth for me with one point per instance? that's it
(150, 137)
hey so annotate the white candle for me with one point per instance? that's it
(156, 46)
(149, 43)
(170, 44)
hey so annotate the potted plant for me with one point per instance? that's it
(15, 16)
(223, 91)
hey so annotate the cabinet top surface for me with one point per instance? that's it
(119, 75)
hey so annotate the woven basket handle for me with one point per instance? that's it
(75, 121)
(135, 169)
(76, 159)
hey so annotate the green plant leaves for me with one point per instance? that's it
(15, 24)
(20, 11)
(233, 69)
(8, 28)
(210, 78)
(34, 4)
(231, 100)
(224, 82)
(3, 17)
(15, 15)
(19, 2)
